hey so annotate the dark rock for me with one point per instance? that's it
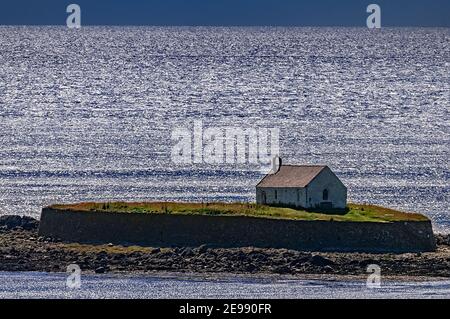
(187, 252)
(317, 260)
(10, 221)
(155, 251)
(328, 269)
(100, 270)
(202, 249)
(442, 239)
(367, 262)
(300, 261)
(118, 256)
(101, 256)
(29, 223)
(250, 267)
(212, 253)
(240, 256)
(282, 269)
(18, 222)
(135, 254)
(259, 257)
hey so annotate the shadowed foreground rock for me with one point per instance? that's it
(23, 250)
(8, 222)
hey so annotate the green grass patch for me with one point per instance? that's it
(355, 212)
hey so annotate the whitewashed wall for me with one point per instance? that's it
(337, 192)
(309, 197)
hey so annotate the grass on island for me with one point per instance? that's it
(355, 212)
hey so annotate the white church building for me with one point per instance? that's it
(302, 186)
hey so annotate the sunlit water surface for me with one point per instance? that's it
(88, 114)
(43, 285)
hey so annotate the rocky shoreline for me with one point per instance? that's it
(21, 249)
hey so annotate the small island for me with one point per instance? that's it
(302, 207)
(301, 224)
(23, 248)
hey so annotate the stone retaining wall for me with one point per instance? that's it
(164, 230)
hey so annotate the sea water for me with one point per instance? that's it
(88, 115)
(44, 285)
